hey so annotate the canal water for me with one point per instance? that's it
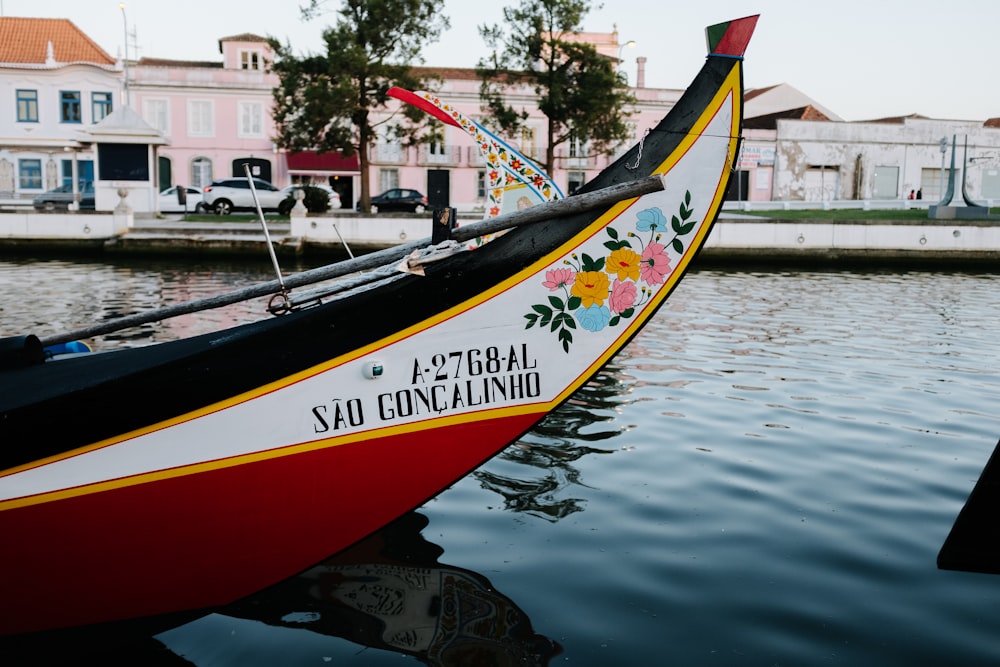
(763, 477)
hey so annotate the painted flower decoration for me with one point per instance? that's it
(624, 263)
(623, 296)
(559, 278)
(594, 318)
(591, 287)
(655, 264)
(600, 292)
(651, 219)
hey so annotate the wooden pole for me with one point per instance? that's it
(541, 212)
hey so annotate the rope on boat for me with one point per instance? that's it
(389, 256)
(413, 263)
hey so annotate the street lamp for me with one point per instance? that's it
(629, 44)
(121, 6)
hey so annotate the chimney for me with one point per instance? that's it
(640, 72)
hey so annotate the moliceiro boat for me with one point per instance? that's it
(189, 474)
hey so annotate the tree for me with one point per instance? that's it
(579, 90)
(324, 102)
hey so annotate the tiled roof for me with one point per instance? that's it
(770, 121)
(445, 72)
(169, 62)
(894, 120)
(26, 40)
(243, 37)
(755, 92)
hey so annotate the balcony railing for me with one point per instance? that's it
(389, 154)
(449, 156)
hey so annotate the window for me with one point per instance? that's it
(84, 171)
(201, 172)
(123, 162)
(251, 120)
(251, 60)
(100, 104)
(991, 184)
(577, 147)
(29, 173)
(27, 106)
(435, 140)
(763, 179)
(527, 146)
(69, 107)
(933, 183)
(481, 184)
(388, 179)
(886, 182)
(200, 118)
(574, 179)
(157, 114)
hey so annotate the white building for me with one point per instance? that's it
(212, 117)
(55, 84)
(886, 159)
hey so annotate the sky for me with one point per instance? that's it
(862, 59)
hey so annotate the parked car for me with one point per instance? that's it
(288, 201)
(60, 198)
(399, 199)
(233, 194)
(168, 200)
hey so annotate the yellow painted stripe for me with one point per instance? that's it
(729, 88)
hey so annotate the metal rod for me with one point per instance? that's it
(342, 241)
(263, 224)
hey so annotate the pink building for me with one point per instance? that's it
(217, 116)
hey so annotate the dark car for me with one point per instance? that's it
(60, 198)
(399, 199)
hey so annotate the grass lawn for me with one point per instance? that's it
(235, 217)
(913, 214)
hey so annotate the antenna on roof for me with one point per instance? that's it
(121, 6)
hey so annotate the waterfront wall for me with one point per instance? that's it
(361, 231)
(85, 226)
(734, 239)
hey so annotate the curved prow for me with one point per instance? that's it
(730, 39)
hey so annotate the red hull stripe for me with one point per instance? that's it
(155, 548)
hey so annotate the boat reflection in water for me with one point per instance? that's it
(545, 455)
(390, 592)
(387, 592)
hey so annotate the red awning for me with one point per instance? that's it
(313, 161)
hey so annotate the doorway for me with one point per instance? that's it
(438, 189)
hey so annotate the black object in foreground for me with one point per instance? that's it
(973, 545)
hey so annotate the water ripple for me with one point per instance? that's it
(762, 477)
